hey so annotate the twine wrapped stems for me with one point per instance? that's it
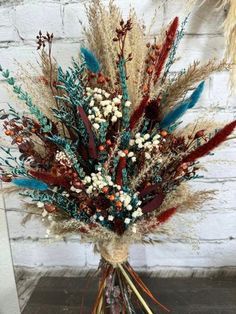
(115, 257)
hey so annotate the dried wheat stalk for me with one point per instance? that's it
(230, 36)
(186, 81)
(99, 38)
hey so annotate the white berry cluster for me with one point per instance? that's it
(75, 189)
(130, 155)
(97, 181)
(126, 199)
(103, 107)
(145, 142)
(94, 184)
(63, 159)
(135, 214)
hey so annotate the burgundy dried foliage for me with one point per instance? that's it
(215, 141)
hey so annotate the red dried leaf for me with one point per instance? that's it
(119, 226)
(50, 179)
(83, 151)
(215, 141)
(153, 204)
(148, 189)
(91, 146)
(170, 37)
(163, 217)
(138, 112)
(120, 167)
(82, 230)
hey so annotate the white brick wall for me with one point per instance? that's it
(215, 225)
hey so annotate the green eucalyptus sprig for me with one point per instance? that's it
(11, 163)
(46, 125)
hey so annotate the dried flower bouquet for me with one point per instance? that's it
(101, 152)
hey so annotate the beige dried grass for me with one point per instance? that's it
(40, 93)
(100, 34)
(145, 171)
(229, 27)
(62, 226)
(99, 37)
(196, 72)
(49, 69)
(185, 199)
(37, 83)
(31, 211)
(201, 124)
(8, 190)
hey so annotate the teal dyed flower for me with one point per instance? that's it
(90, 60)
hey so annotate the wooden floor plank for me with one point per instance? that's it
(57, 295)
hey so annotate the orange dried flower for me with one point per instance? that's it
(111, 197)
(19, 139)
(7, 132)
(163, 133)
(101, 148)
(105, 189)
(101, 78)
(118, 204)
(150, 69)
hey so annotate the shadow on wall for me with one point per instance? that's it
(8, 3)
(204, 14)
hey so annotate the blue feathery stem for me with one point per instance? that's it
(91, 61)
(30, 184)
(180, 110)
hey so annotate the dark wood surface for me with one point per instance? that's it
(58, 295)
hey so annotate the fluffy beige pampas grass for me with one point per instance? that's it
(229, 27)
(99, 37)
(230, 37)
